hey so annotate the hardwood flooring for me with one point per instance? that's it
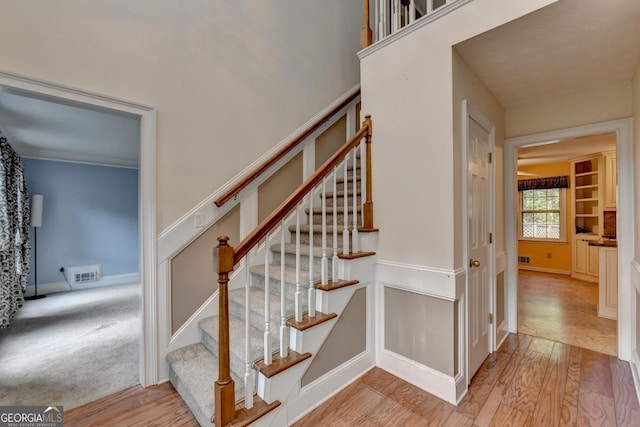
(529, 381)
(560, 308)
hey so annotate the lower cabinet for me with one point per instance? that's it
(608, 283)
(585, 258)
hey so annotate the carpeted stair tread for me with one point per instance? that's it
(317, 229)
(290, 248)
(256, 313)
(339, 210)
(340, 193)
(289, 273)
(209, 327)
(193, 371)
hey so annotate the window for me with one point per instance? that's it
(542, 215)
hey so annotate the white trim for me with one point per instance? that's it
(81, 162)
(543, 270)
(501, 262)
(424, 377)
(442, 11)
(471, 113)
(55, 287)
(433, 282)
(146, 197)
(624, 132)
(302, 401)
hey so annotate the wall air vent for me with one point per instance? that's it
(85, 273)
(524, 260)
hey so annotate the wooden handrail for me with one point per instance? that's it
(224, 388)
(285, 207)
(366, 35)
(231, 193)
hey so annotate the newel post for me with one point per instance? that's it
(366, 35)
(224, 388)
(368, 204)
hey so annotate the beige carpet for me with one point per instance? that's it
(71, 348)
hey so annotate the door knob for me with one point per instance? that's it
(474, 263)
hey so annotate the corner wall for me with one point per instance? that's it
(635, 267)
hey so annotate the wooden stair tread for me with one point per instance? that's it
(279, 364)
(308, 322)
(333, 285)
(245, 416)
(356, 255)
(368, 230)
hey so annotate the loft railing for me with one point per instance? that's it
(391, 16)
(349, 167)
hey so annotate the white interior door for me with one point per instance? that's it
(478, 242)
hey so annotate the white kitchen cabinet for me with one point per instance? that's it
(608, 283)
(610, 181)
(585, 258)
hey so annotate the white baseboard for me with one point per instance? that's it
(428, 379)
(55, 287)
(322, 389)
(635, 368)
(543, 270)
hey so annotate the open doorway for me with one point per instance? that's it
(566, 216)
(580, 223)
(145, 201)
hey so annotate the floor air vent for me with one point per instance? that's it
(524, 260)
(85, 273)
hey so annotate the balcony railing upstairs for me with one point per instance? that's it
(391, 16)
(339, 193)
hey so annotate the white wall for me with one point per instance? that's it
(635, 275)
(407, 87)
(229, 79)
(600, 104)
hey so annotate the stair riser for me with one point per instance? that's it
(317, 239)
(340, 201)
(256, 318)
(290, 261)
(340, 185)
(317, 217)
(257, 281)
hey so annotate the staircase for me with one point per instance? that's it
(194, 368)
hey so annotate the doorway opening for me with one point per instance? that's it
(146, 116)
(585, 221)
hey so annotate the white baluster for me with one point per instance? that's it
(412, 11)
(345, 210)
(267, 306)
(395, 24)
(429, 6)
(298, 298)
(312, 290)
(355, 242)
(334, 259)
(325, 261)
(284, 344)
(248, 372)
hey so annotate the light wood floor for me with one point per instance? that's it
(529, 381)
(564, 309)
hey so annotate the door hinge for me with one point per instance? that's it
(490, 157)
(491, 318)
(490, 238)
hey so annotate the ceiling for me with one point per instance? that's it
(51, 128)
(564, 48)
(562, 151)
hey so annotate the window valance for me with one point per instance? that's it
(543, 183)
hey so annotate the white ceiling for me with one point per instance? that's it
(50, 128)
(562, 151)
(563, 48)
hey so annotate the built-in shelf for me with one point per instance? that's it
(582, 187)
(586, 215)
(578, 175)
(590, 199)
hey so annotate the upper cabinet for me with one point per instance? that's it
(610, 181)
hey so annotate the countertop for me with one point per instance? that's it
(604, 243)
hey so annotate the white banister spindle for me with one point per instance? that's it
(248, 372)
(345, 209)
(311, 294)
(395, 13)
(324, 270)
(298, 298)
(355, 242)
(412, 11)
(334, 259)
(267, 305)
(429, 6)
(284, 344)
